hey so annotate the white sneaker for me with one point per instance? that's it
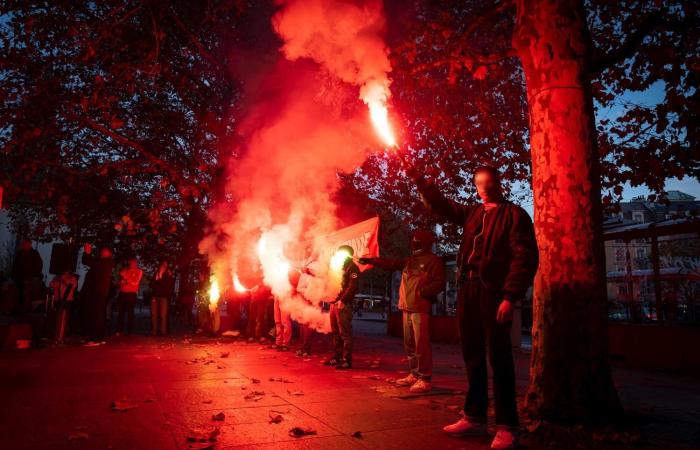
(421, 386)
(407, 381)
(506, 439)
(466, 427)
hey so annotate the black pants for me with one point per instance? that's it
(256, 319)
(95, 305)
(477, 307)
(341, 327)
(125, 305)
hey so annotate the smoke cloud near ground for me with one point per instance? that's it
(304, 125)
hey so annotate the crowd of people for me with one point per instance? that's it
(496, 264)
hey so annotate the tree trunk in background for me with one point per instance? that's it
(570, 375)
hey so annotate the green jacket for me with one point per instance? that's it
(422, 279)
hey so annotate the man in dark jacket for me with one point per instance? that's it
(26, 273)
(497, 261)
(95, 291)
(162, 290)
(422, 279)
(341, 312)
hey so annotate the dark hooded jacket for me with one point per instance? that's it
(98, 279)
(509, 256)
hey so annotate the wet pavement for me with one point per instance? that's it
(142, 392)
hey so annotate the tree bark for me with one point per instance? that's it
(570, 375)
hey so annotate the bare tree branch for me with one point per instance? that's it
(195, 41)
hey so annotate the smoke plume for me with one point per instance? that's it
(304, 125)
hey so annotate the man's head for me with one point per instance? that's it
(422, 242)
(488, 184)
(105, 252)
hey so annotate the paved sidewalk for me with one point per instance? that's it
(170, 389)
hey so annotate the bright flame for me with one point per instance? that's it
(338, 260)
(262, 245)
(214, 292)
(375, 95)
(238, 286)
(273, 261)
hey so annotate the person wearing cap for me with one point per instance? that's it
(422, 279)
(341, 312)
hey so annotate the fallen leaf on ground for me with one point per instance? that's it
(255, 380)
(122, 405)
(201, 435)
(281, 380)
(76, 436)
(276, 418)
(391, 380)
(219, 417)
(295, 392)
(357, 434)
(225, 355)
(207, 401)
(301, 431)
(255, 396)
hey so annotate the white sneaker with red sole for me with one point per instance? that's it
(420, 387)
(466, 427)
(505, 439)
(407, 381)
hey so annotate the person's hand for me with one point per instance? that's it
(365, 261)
(88, 248)
(505, 312)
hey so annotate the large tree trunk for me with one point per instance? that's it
(570, 377)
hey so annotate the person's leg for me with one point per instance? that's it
(345, 322)
(409, 343)
(154, 315)
(99, 318)
(501, 360)
(163, 304)
(286, 327)
(335, 328)
(131, 305)
(121, 307)
(423, 350)
(307, 334)
(279, 331)
(260, 320)
(473, 351)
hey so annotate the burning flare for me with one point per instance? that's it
(375, 95)
(238, 286)
(338, 260)
(214, 292)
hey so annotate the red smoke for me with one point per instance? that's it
(304, 126)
